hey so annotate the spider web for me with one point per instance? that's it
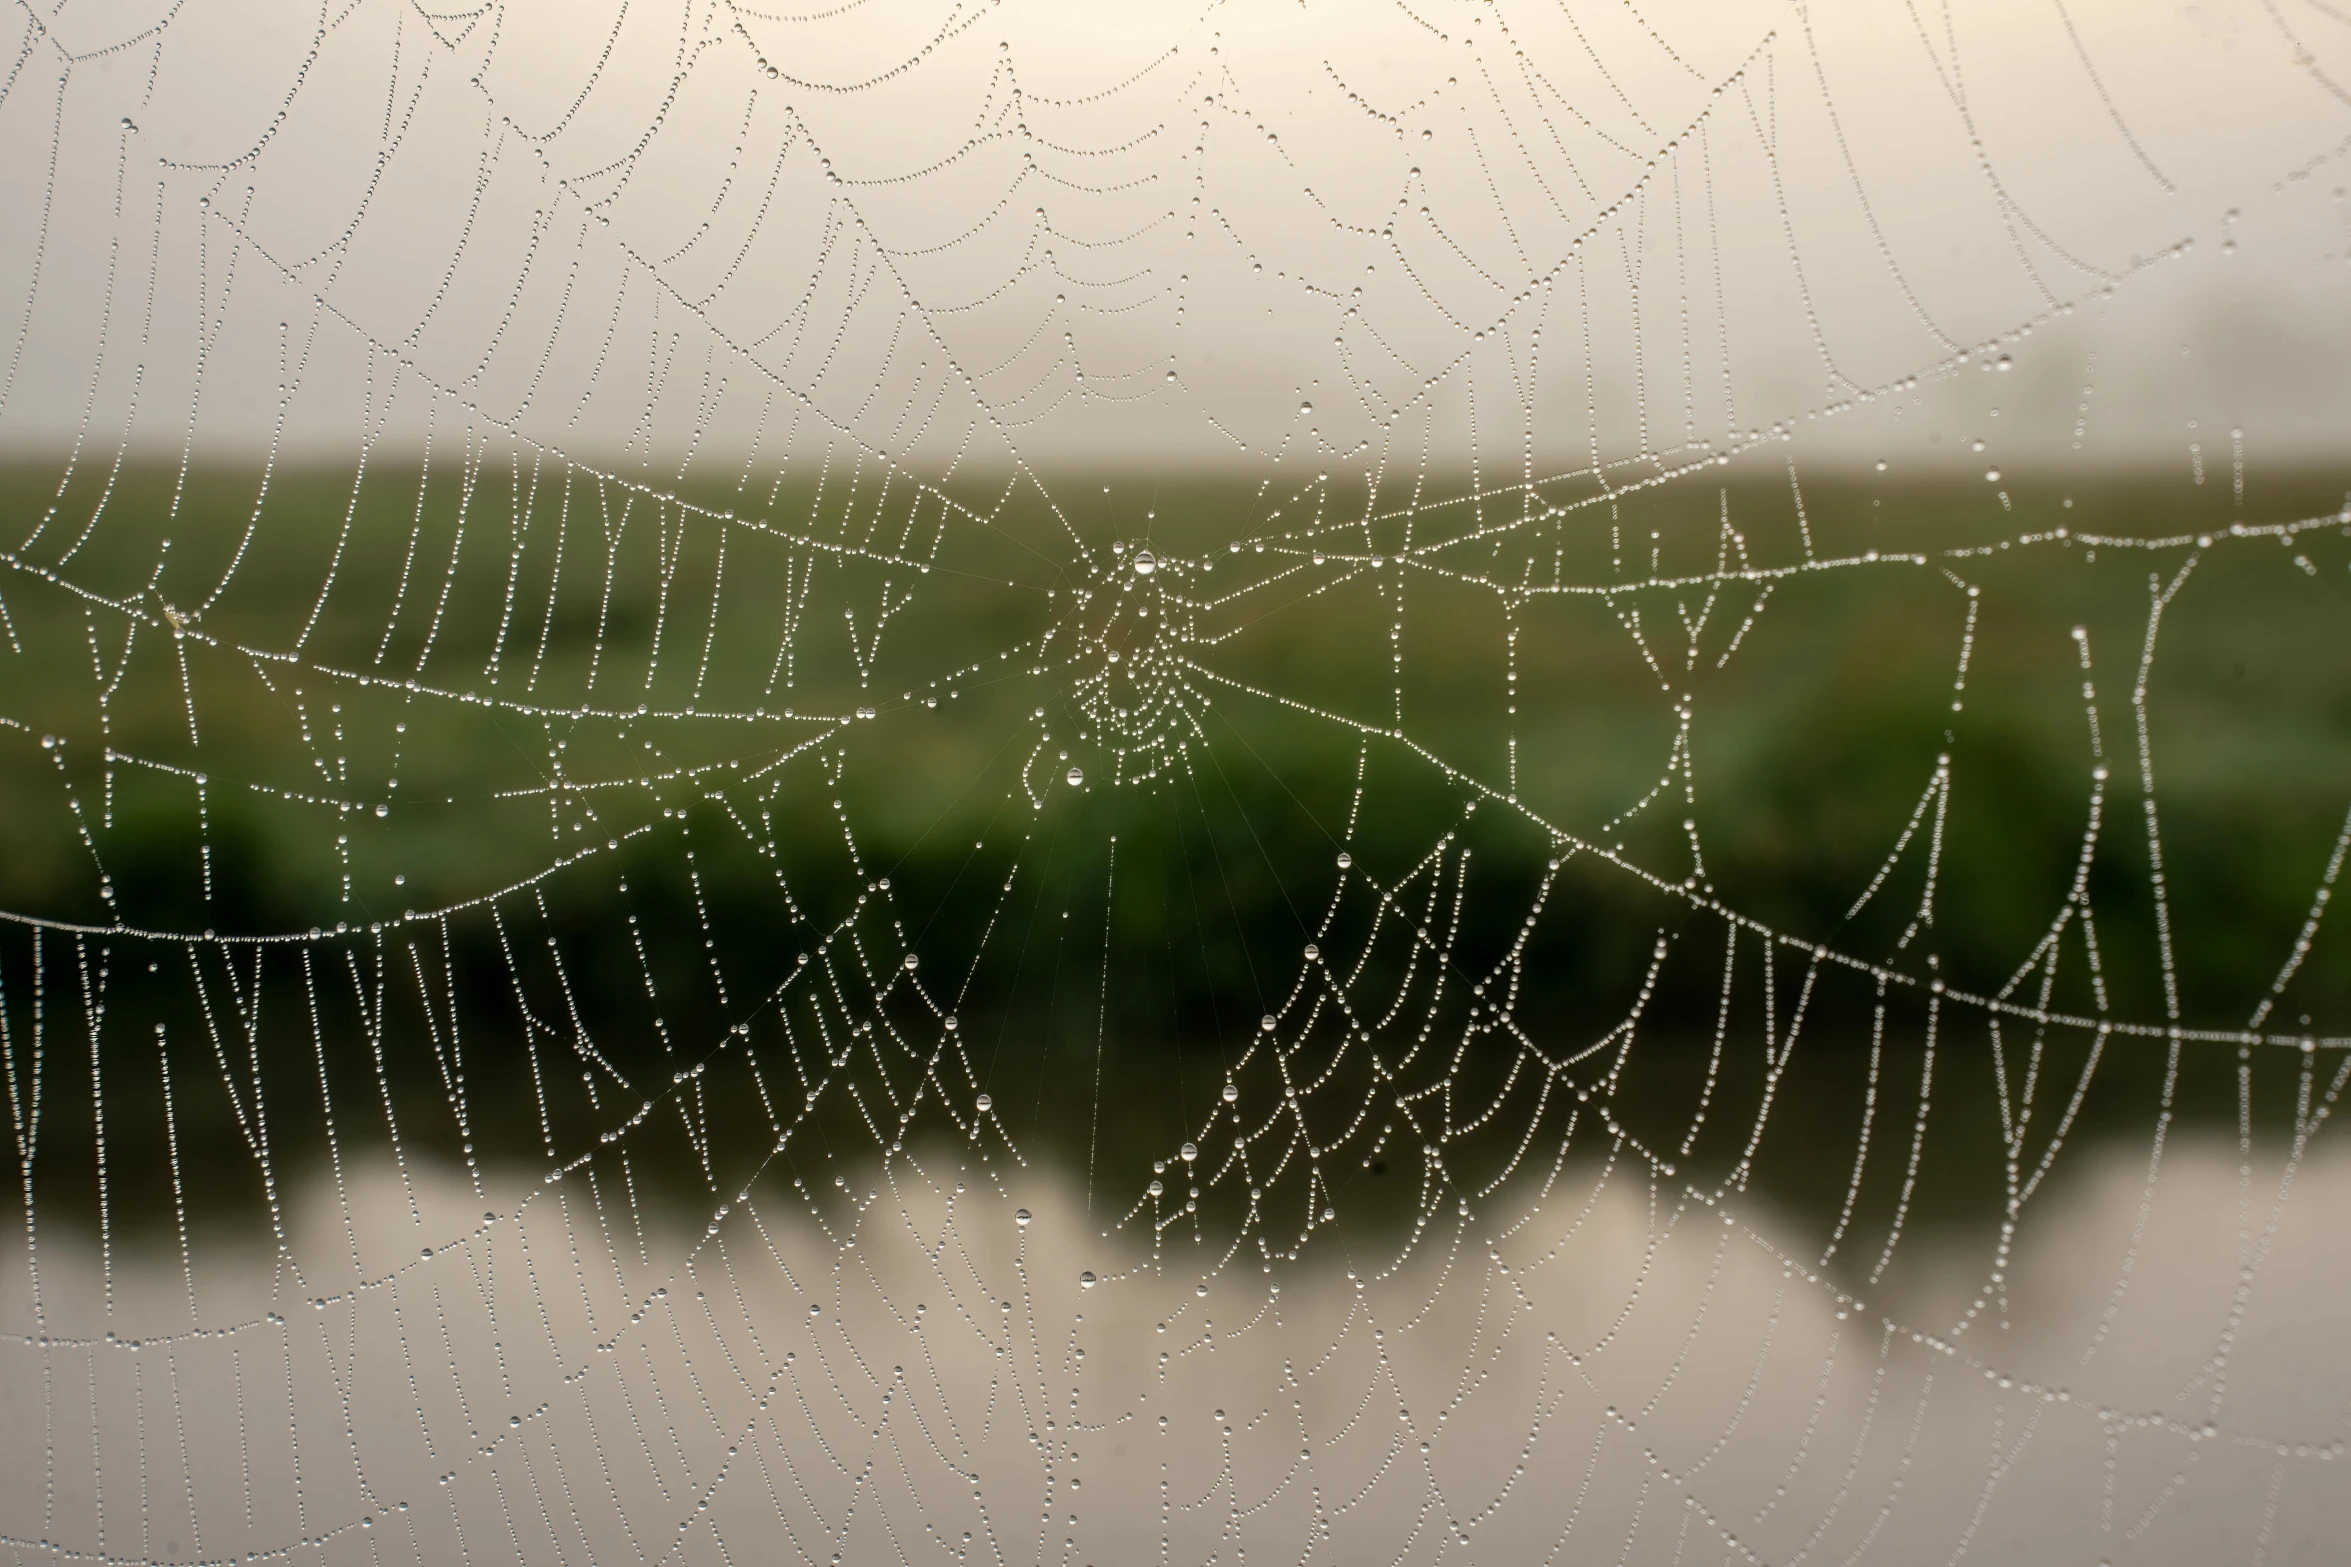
(975, 784)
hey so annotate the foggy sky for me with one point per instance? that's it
(1526, 237)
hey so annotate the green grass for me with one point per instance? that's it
(1808, 746)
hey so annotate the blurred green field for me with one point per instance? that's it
(447, 692)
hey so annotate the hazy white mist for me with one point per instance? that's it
(1057, 233)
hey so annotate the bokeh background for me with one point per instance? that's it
(1714, 817)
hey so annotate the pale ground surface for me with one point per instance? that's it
(1609, 1377)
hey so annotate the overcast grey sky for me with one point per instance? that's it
(1057, 232)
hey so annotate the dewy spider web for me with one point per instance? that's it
(1567, 950)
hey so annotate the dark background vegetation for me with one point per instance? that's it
(1100, 1004)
